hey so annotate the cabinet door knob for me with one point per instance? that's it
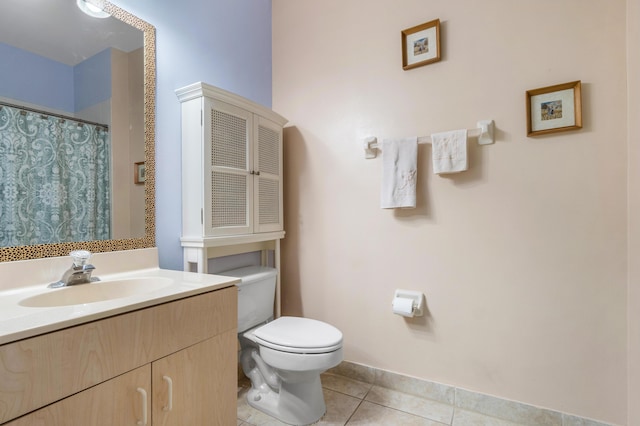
(167, 379)
(258, 173)
(143, 393)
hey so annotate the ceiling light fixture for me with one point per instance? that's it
(91, 9)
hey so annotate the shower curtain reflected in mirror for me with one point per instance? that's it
(54, 179)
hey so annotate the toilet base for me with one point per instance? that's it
(286, 385)
(293, 397)
(300, 403)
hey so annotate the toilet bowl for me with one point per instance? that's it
(282, 355)
(283, 358)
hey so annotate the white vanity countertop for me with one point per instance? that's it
(19, 322)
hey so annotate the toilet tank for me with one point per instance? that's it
(256, 294)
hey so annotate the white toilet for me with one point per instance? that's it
(285, 357)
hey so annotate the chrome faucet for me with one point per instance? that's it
(80, 271)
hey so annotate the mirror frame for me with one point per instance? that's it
(8, 254)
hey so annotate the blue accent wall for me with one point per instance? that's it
(220, 42)
(92, 80)
(35, 79)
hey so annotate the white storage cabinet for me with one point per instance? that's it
(231, 172)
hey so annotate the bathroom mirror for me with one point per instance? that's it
(55, 20)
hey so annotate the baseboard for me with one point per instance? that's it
(461, 399)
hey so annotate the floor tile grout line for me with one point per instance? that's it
(407, 412)
(354, 412)
(359, 403)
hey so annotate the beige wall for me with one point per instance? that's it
(127, 142)
(122, 164)
(136, 135)
(633, 70)
(523, 259)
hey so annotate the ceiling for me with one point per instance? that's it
(58, 30)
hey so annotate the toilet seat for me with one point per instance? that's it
(299, 335)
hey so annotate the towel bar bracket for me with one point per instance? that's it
(487, 128)
(370, 146)
(485, 133)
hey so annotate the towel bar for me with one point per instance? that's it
(484, 132)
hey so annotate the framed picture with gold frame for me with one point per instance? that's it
(554, 109)
(421, 45)
(139, 173)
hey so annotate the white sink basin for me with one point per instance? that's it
(98, 291)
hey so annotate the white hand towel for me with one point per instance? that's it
(399, 173)
(449, 151)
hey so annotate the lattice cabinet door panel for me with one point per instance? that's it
(268, 176)
(229, 172)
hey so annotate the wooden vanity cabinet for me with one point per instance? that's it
(204, 384)
(175, 363)
(114, 402)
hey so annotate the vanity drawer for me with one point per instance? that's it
(38, 371)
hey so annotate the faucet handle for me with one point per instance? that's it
(80, 257)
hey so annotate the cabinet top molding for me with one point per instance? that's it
(200, 89)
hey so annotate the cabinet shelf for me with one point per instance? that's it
(205, 242)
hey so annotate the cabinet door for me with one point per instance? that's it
(114, 402)
(228, 169)
(268, 180)
(197, 385)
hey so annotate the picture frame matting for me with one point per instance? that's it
(139, 173)
(554, 109)
(421, 45)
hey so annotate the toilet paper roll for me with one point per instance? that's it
(402, 306)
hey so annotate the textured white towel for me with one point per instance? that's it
(399, 173)
(449, 151)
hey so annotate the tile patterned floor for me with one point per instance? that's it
(347, 403)
(372, 402)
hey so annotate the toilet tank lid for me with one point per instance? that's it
(250, 274)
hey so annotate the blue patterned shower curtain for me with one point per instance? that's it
(54, 179)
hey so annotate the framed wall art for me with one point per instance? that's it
(421, 45)
(139, 173)
(554, 109)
